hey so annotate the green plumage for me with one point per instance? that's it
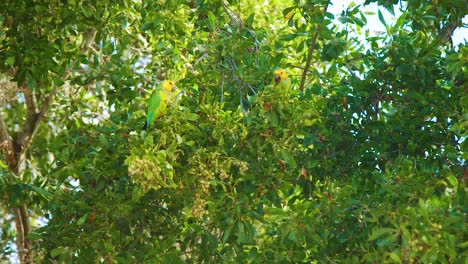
(157, 106)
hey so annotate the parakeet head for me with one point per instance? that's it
(169, 86)
(280, 75)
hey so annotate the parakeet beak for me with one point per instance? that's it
(173, 88)
(277, 78)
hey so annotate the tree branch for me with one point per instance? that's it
(34, 120)
(7, 145)
(23, 228)
(88, 40)
(311, 50)
(4, 135)
(31, 104)
(15, 150)
(19, 228)
(24, 219)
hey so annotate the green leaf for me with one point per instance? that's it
(287, 11)
(401, 20)
(463, 244)
(58, 81)
(380, 232)
(82, 219)
(452, 180)
(272, 117)
(250, 20)
(288, 37)
(329, 15)
(192, 116)
(429, 17)
(58, 251)
(289, 159)
(86, 12)
(10, 61)
(381, 18)
(34, 236)
(179, 139)
(359, 22)
(395, 257)
(211, 21)
(227, 233)
(42, 192)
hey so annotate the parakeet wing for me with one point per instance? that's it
(286, 83)
(154, 104)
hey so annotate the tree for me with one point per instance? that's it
(363, 161)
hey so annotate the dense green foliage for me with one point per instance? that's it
(367, 164)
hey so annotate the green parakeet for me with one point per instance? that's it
(282, 81)
(157, 106)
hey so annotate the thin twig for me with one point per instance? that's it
(235, 18)
(311, 50)
(222, 87)
(252, 89)
(198, 61)
(239, 88)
